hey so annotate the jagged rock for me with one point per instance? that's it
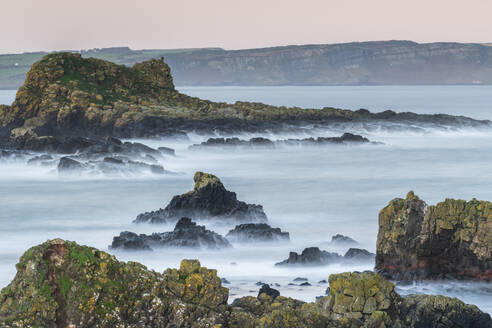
(256, 232)
(342, 240)
(186, 234)
(359, 254)
(62, 284)
(273, 293)
(40, 159)
(452, 239)
(208, 199)
(311, 256)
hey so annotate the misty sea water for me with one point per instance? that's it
(311, 192)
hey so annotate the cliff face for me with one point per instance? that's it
(62, 284)
(365, 63)
(451, 239)
(358, 63)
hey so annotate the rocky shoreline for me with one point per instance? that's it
(63, 284)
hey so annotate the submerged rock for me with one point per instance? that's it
(208, 199)
(186, 234)
(256, 232)
(67, 164)
(311, 256)
(452, 239)
(62, 284)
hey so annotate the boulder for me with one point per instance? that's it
(256, 232)
(186, 234)
(209, 199)
(311, 256)
(452, 239)
(266, 289)
(66, 164)
(358, 254)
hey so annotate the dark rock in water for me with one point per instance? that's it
(311, 256)
(298, 279)
(224, 281)
(452, 239)
(266, 289)
(359, 255)
(305, 284)
(322, 281)
(346, 138)
(167, 151)
(186, 234)
(341, 239)
(157, 169)
(256, 232)
(209, 199)
(130, 241)
(56, 283)
(66, 164)
(113, 160)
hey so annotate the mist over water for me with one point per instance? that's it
(311, 192)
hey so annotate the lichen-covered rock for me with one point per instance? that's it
(62, 284)
(311, 256)
(256, 232)
(209, 199)
(186, 234)
(452, 239)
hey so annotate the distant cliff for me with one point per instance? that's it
(364, 63)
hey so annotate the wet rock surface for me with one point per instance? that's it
(186, 234)
(452, 239)
(256, 232)
(208, 199)
(62, 284)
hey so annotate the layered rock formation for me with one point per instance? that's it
(256, 232)
(208, 199)
(62, 284)
(186, 234)
(452, 239)
(67, 95)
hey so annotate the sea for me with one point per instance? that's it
(311, 192)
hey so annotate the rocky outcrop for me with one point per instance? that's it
(186, 234)
(209, 199)
(452, 239)
(256, 232)
(346, 138)
(65, 95)
(311, 256)
(269, 291)
(343, 240)
(62, 284)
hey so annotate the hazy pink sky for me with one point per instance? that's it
(30, 25)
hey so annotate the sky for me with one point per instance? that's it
(33, 25)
